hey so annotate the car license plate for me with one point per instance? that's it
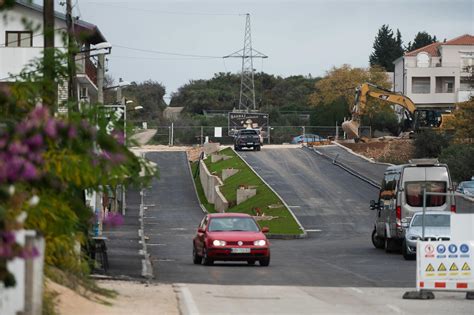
(249, 142)
(240, 250)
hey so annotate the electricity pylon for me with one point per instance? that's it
(247, 86)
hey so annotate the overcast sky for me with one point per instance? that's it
(299, 37)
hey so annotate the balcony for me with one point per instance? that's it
(86, 69)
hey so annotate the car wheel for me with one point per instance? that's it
(264, 262)
(405, 253)
(251, 262)
(377, 241)
(197, 260)
(390, 245)
(207, 261)
(257, 148)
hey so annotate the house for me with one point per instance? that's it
(21, 44)
(437, 76)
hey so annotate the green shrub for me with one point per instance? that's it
(459, 158)
(429, 144)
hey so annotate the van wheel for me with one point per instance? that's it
(405, 253)
(378, 242)
(390, 245)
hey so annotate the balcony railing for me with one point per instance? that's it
(85, 66)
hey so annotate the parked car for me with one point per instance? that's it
(247, 138)
(437, 228)
(401, 196)
(466, 188)
(230, 237)
(307, 138)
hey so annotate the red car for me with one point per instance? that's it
(230, 237)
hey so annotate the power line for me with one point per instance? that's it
(168, 53)
(152, 58)
(163, 12)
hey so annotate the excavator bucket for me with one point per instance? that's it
(351, 128)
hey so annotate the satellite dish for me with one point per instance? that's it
(423, 60)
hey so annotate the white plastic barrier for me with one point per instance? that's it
(445, 265)
(448, 265)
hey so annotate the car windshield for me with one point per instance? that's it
(248, 132)
(414, 193)
(468, 184)
(437, 220)
(233, 224)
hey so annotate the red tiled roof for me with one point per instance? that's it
(431, 49)
(465, 39)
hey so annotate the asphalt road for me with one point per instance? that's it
(323, 196)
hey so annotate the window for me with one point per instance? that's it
(438, 220)
(444, 84)
(233, 224)
(19, 38)
(420, 85)
(414, 193)
(389, 186)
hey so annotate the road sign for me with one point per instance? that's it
(244, 120)
(445, 265)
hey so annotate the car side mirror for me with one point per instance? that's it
(265, 230)
(201, 230)
(374, 205)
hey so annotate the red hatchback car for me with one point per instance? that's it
(230, 237)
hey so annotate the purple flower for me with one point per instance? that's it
(114, 219)
(119, 136)
(5, 251)
(35, 141)
(8, 237)
(50, 129)
(72, 132)
(17, 148)
(29, 171)
(3, 143)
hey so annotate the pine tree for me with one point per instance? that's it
(387, 48)
(422, 39)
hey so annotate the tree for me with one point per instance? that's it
(422, 39)
(460, 161)
(387, 48)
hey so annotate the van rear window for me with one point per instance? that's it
(414, 193)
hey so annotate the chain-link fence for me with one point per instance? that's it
(192, 135)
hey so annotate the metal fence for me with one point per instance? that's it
(192, 135)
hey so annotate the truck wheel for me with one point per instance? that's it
(390, 245)
(378, 242)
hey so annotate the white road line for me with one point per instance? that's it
(294, 206)
(357, 290)
(394, 308)
(189, 306)
(313, 230)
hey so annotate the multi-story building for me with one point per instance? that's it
(437, 75)
(21, 41)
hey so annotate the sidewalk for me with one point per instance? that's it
(125, 260)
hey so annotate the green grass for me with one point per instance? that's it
(284, 224)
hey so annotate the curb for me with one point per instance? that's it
(360, 155)
(147, 270)
(347, 169)
(283, 236)
(204, 210)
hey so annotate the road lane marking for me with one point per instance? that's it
(190, 307)
(394, 308)
(357, 290)
(294, 206)
(313, 230)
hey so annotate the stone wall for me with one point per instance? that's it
(210, 184)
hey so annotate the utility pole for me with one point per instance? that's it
(247, 85)
(49, 84)
(71, 60)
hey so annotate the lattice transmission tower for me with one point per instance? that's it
(247, 85)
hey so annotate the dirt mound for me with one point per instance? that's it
(395, 151)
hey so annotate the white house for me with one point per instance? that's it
(436, 76)
(20, 44)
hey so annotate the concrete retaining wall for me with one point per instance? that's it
(228, 172)
(210, 184)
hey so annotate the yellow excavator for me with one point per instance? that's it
(418, 119)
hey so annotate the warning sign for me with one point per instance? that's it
(442, 267)
(453, 267)
(430, 268)
(465, 267)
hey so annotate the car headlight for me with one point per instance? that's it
(413, 237)
(218, 243)
(260, 243)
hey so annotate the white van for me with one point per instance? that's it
(401, 195)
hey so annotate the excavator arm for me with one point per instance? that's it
(351, 127)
